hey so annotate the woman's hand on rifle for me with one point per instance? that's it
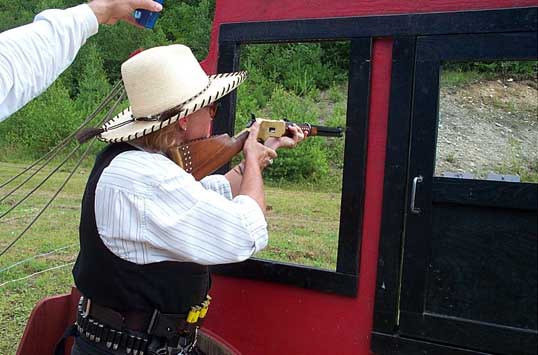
(297, 135)
(246, 178)
(254, 151)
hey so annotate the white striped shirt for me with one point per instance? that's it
(148, 210)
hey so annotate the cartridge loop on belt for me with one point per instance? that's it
(133, 331)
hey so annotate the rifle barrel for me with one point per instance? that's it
(325, 131)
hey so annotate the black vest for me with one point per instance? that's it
(171, 287)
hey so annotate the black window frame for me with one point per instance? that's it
(344, 280)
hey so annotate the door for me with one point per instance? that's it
(469, 268)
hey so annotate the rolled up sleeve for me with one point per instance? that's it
(203, 226)
(253, 220)
(219, 184)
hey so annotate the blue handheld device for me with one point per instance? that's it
(147, 18)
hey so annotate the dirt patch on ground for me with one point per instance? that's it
(489, 126)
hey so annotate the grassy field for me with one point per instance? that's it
(303, 225)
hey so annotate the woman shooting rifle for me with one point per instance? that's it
(148, 229)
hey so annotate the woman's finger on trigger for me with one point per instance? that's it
(254, 129)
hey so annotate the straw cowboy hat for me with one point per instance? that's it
(164, 84)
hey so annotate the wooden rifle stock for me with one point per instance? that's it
(202, 157)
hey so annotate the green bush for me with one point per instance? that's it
(93, 85)
(14, 14)
(308, 161)
(246, 105)
(334, 147)
(41, 124)
(189, 23)
(117, 42)
(298, 67)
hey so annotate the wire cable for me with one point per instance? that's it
(36, 256)
(41, 183)
(63, 184)
(118, 87)
(49, 202)
(59, 166)
(37, 273)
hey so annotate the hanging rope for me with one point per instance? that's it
(54, 152)
(41, 183)
(106, 118)
(117, 89)
(49, 202)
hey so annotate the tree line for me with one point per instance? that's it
(285, 80)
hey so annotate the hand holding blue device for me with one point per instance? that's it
(147, 18)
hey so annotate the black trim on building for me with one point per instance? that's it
(480, 21)
(355, 157)
(402, 324)
(395, 184)
(344, 280)
(229, 53)
(396, 345)
(291, 274)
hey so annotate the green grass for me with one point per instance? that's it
(57, 228)
(451, 158)
(451, 78)
(303, 225)
(526, 170)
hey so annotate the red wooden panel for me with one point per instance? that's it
(48, 320)
(266, 318)
(263, 318)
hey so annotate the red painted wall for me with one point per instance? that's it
(228, 11)
(269, 318)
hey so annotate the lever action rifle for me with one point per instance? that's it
(202, 157)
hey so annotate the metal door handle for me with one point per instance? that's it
(414, 209)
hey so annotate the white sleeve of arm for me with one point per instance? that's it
(34, 55)
(219, 184)
(198, 225)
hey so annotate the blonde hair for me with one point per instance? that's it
(161, 140)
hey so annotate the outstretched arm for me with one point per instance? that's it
(34, 55)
